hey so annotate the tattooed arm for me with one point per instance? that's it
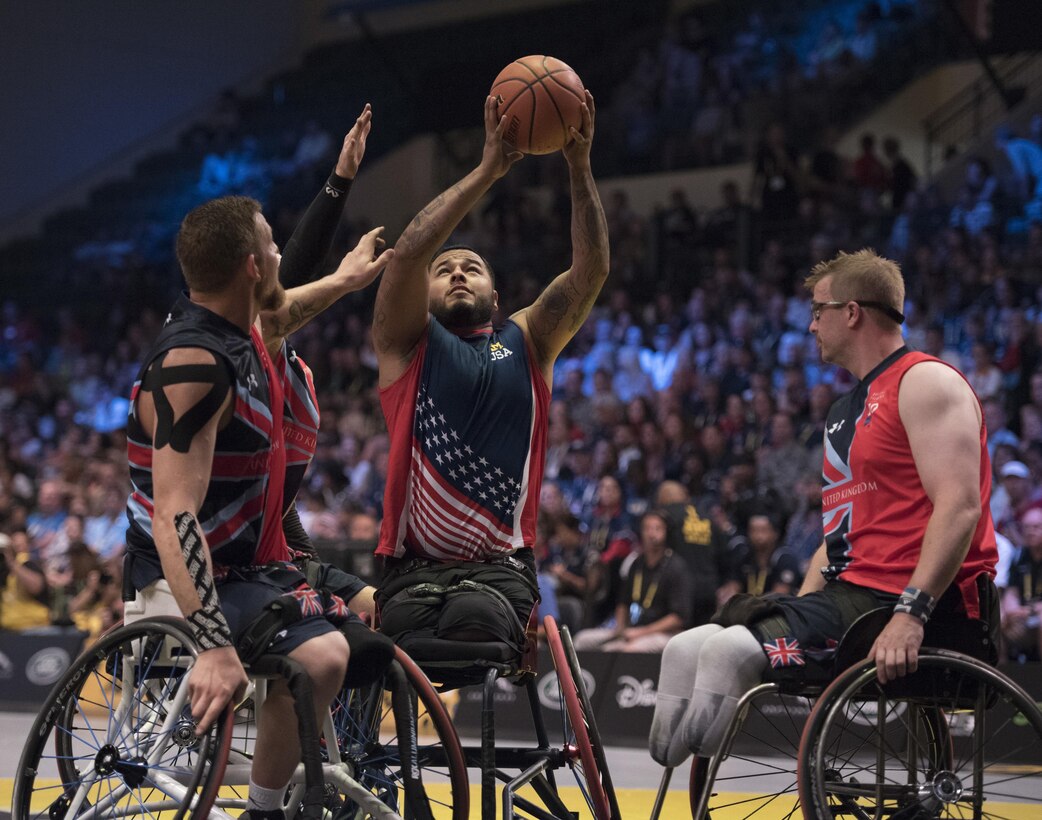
(356, 270)
(184, 401)
(560, 310)
(400, 317)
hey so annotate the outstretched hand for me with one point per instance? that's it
(363, 264)
(577, 150)
(497, 156)
(353, 149)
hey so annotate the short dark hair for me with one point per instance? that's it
(462, 247)
(214, 240)
(659, 513)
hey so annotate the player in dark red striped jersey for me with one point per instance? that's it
(905, 507)
(466, 405)
(207, 458)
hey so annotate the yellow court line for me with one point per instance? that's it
(637, 803)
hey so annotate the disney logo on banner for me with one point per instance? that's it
(550, 690)
(635, 692)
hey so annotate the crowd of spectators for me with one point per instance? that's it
(691, 97)
(687, 415)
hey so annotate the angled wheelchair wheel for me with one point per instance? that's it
(582, 740)
(382, 728)
(755, 774)
(115, 737)
(955, 739)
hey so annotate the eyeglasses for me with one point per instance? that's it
(891, 313)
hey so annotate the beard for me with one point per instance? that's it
(462, 315)
(273, 298)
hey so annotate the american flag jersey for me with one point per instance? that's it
(467, 422)
(242, 509)
(874, 507)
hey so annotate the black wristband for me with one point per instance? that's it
(916, 602)
(209, 628)
(337, 186)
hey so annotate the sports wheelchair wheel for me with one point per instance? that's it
(755, 773)
(955, 739)
(115, 737)
(380, 728)
(581, 737)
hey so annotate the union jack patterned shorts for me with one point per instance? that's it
(246, 593)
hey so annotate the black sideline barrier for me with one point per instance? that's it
(32, 662)
(622, 690)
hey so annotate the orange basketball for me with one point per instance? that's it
(540, 97)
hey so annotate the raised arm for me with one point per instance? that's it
(183, 400)
(942, 419)
(401, 312)
(355, 271)
(560, 310)
(313, 236)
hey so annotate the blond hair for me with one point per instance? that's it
(862, 276)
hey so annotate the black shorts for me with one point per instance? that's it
(424, 599)
(247, 593)
(800, 634)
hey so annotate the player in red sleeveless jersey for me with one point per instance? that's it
(907, 480)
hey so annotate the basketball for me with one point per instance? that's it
(541, 97)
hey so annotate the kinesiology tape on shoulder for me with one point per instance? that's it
(179, 434)
(207, 623)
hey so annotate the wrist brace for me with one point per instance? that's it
(916, 602)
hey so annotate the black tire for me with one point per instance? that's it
(374, 743)
(909, 749)
(99, 742)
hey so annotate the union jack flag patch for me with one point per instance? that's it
(336, 609)
(784, 652)
(310, 601)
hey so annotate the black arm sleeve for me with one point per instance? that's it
(296, 536)
(312, 238)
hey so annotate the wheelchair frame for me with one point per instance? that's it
(835, 777)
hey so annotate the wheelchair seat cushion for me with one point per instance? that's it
(451, 664)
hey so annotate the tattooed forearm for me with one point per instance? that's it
(589, 226)
(432, 226)
(296, 313)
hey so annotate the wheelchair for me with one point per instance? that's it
(115, 738)
(957, 738)
(582, 752)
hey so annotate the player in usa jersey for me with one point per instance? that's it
(466, 406)
(907, 524)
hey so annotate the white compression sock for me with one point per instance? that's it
(262, 799)
(733, 663)
(676, 683)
